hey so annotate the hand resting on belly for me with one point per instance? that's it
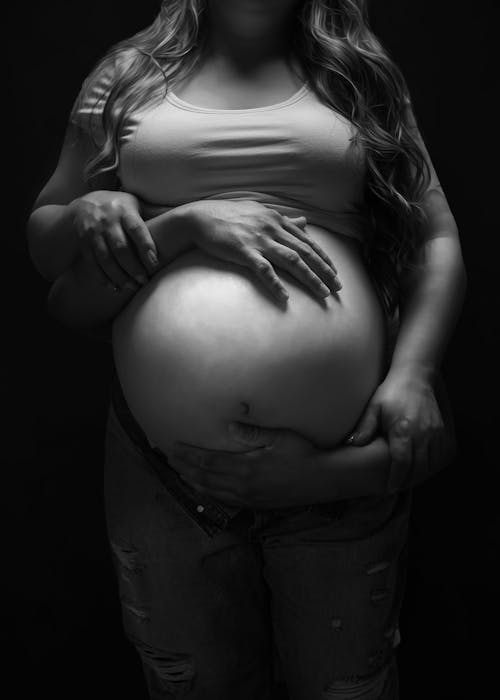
(203, 344)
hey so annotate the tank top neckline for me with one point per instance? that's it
(298, 95)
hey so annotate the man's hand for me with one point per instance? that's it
(278, 470)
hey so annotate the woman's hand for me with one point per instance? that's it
(250, 234)
(113, 236)
(404, 409)
(279, 469)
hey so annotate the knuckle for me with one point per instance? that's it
(259, 240)
(134, 226)
(292, 257)
(262, 267)
(276, 215)
(118, 245)
(116, 204)
(403, 426)
(269, 228)
(87, 228)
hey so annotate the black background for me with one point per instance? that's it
(60, 608)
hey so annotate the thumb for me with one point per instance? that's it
(366, 427)
(253, 435)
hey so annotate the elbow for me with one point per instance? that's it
(36, 251)
(58, 310)
(55, 306)
(59, 307)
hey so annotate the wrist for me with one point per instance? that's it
(412, 370)
(189, 216)
(172, 232)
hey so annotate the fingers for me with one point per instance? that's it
(436, 456)
(367, 426)
(266, 274)
(298, 220)
(218, 483)
(139, 233)
(121, 248)
(422, 465)
(303, 270)
(113, 274)
(125, 254)
(291, 225)
(228, 464)
(401, 450)
(310, 252)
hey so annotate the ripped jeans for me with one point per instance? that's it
(230, 603)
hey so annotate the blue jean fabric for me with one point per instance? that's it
(231, 603)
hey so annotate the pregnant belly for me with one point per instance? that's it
(203, 343)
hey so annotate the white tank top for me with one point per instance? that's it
(295, 156)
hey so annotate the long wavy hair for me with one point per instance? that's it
(349, 70)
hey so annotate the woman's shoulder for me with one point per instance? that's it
(87, 109)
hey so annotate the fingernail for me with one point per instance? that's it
(152, 258)
(141, 279)
(324, 290)
(113, 287)
(351, 438)
(338, 283)
(130, 285)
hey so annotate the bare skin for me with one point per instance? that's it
(404, 410)
(403, 423)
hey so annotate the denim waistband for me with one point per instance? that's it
(211, 515)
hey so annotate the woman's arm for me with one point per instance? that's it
(282, 469)
(433, 296)
(433, 293)
(355, 472)
(52, 238)
(404, 408)
(80, 300)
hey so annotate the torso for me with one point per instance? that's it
(203, 339)
(219, 87)
(201, 342)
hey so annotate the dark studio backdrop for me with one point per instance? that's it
(60, 608)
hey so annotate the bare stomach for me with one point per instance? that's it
(203, 343)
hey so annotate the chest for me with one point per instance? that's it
(298, 149)
(213, 89)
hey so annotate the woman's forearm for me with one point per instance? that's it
(52, 239)
(79, 299)
(433, 297)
